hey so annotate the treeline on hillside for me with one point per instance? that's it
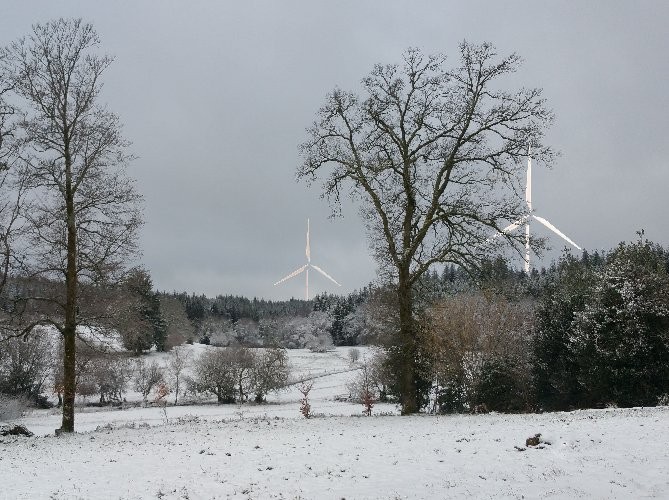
(326, 320)
(589, 331)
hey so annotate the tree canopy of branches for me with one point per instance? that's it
(83, 211)
(434, 156)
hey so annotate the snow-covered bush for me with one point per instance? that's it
(25, 367)
(311, 332)
(111, 375)
(371, 380)
(305, 405)
(620, 341)
(364, 388)
(555, 371)
(270, 372)
(213, 374)
(232, 374)
(499, 388)
(147, 376)
(225, 373)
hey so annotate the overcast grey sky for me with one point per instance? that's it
(216, 96)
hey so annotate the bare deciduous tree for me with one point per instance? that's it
(84, 211)
(434, 157)
(469, 332)
(178, 361)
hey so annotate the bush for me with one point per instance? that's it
(147, 376)
(555, 370)
(105, 374)
(620, 341)
(216, 374)
(481, 346)
(233, 373)
(499, 388)
(270, 372)
(25, 366)
(372, 380)
(451, 397)
(212, 374)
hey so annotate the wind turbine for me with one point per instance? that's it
(305, 268)
(526, 220)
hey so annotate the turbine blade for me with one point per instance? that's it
(325, 274)
(513, 226)
(555, 230)
(292, 275)
(308, 251)
(508, 229)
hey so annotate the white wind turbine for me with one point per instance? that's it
(305, 268)
(526, 220)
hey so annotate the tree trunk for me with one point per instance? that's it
(407, 348)
(70, 326)
(69, 386)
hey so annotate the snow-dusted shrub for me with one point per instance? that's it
(111, 375)
(451, 397)
(311, 332)
(25, 366)
(371, 380)
(270, 372)
(147, 376)
(364, 389)
(620, 341)
(322, 343)
(178, 328)
(555, 370)
(225, 373)
(213, 374)
(499, 388)
(362, 384)
(305, 406)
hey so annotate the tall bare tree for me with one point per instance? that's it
(84, 212)
(434, 156)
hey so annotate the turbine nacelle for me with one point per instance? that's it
(305, 269)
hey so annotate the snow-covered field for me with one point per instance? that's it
(271, 451)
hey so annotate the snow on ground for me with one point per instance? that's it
(271, 451)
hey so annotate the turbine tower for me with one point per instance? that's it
(526, 220)
(305, 269)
